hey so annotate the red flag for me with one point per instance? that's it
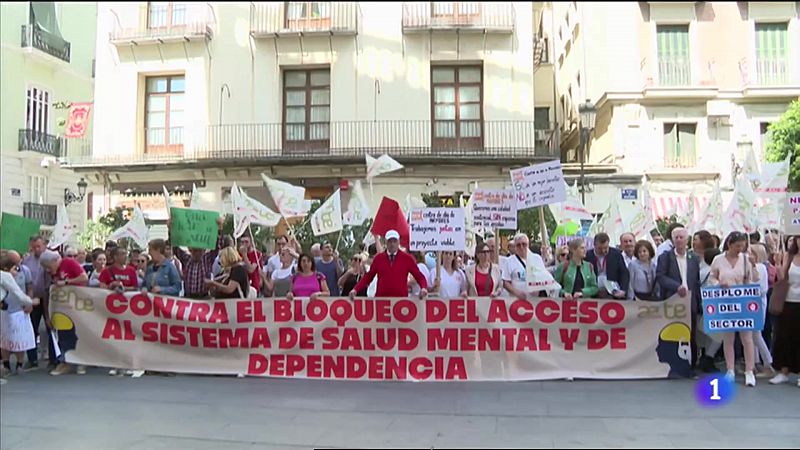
(78, 120)
(391, 217)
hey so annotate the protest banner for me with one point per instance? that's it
(479, 339)
(737, 308)
(791, 213)
(539, 185)
(194, 228)
(494, 209)
(16, 231)
(437, 229)
(564, 240)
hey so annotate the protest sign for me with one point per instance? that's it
(737, 308)
(539, 185)
(437, 229)
(480, 339)
(16, 232)
(194, 228)
(494, 209)
(791, 213)
(564, 240)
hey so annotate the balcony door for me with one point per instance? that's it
(304, 16)
(455, 13)
(164, 115)
(166, 15)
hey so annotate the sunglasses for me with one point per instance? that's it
(564, 255)
(356, 259)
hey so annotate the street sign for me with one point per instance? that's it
(630, 194)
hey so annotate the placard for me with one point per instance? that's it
(791, 213)
(437, 229)
(539, 185)
(494, 209)
(16, 232)
(737, 308)
(194, 228)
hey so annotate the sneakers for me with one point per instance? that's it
(730, 376)
(30, 366)
(780, 379)
(81, 370)
(749, 379)
(114, 372)
(61, 369)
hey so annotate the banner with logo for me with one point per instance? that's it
(737, 308)
(77, 120)
(437, 229)
(477, 339)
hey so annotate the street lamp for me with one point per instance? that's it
(71, 197)
(588, 115)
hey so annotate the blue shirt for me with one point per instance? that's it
(165, 276)
(329, 270)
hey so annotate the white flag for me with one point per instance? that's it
(774, 182)
(573, 208)
(769, 216)
(741, 212)
(611, 223)
(328, 218)
(642, 223)
(358, 209)
(384, 164)
(136, 229)
(288, 198)
(167, 201)
(63, 229)
(247, 210)
(710, 219)
(194, 201)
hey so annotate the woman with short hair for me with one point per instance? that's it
(307, 282)
(642, 272)
(234, 280)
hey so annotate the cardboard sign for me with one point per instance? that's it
(16, 232)
(791, 213)
(437, 229)
(737, 308)
(194, 228)
(494, 209)
(539, 185)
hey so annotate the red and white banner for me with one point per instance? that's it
(479, 339)
(78, 120)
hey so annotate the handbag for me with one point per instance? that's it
(778, 298)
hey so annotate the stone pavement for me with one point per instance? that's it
(97, 411)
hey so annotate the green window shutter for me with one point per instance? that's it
(670, 138)
(686, 143)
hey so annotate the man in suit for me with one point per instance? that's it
(609, 264)
(679, 272)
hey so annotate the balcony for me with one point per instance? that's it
(409, 140)
(36, 141)
(170, 22)
(35, 37)
(772, 72)
(273, 19)
(674, 72)
(44, 214)
(459, 16)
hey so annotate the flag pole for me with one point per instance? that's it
(543, 230)
(336, 249)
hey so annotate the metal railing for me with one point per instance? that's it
(272, 18)
(680, 159)
(348, 141)
(37, 141)
(169, 21)
(674, 72)
(35, 37)
(44, 214)
(772, 72)
(487, 16)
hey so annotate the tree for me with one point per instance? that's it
(786, 141)
(94, 235)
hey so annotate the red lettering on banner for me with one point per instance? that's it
(544, 340)
(396, 369)
(112, 330)
(140, 304)
(330, 338)
(383, 312)
(456, 370)
(181, 306)
(521, 311)
(618, 339)
(435, 311)
(258, 311)
(317, 310)
(162, 307)
(588, 310)
(194, 336)
(149, 333)
(199, 312)
(116, 303)
(341, 311)
(442, 339)
(282, 310)
(294, 364)
(129, 335)
(209, 336)
(542, 313)
(219, 313)
(306, 339)
(526, 340)
(257, 365)
(420, 368)
(569, 311)
(497, 311)
(509, 334)
(233, 338)
(287, 338)
(244, 312)
(260, 338)
(356, 368)
(314, 366)
(405, 311)
(277, 365)
(376, 368)
(569, 336)
(333, 366)
(616, 308)
(597, 339)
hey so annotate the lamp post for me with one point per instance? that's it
(588, 115)
(71, 197)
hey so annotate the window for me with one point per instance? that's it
(673, 55)
(771, 53)
(37, 115)
(307, 109)
(38, 189)
(166, 14)
(455, 9)
(164, 114)
(308, 15)
(679, 145)
(457, 107)
(541, 118)
(766, 136)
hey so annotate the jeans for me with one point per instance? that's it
(36, 319)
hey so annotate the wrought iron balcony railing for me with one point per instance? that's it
(163, 22)
(480, 16)
(44, 214)
(35, 37)
(276, 18)
(36, 141)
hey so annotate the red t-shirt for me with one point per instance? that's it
(68, 270)
(480, 284)
(127, 276)
(255, 278)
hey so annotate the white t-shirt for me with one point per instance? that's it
(282, 273)
(516, 273)
(273, 263)
(452, 286)
(426, 273)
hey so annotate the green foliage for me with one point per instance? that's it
(94, 235)
(528, 223)
(786, 141)
(116, 218)
(431, 200)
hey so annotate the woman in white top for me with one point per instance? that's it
(733, 268)
(453, 281)
(786, 350)
(413, 286)
(280, 280)
(98, 265)
(759, 254)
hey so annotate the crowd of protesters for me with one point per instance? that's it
(632, 271)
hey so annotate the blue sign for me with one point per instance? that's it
(736, 308)
(630, 194)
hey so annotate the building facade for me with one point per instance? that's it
(212, 93)
(47, 60)
(683, 91)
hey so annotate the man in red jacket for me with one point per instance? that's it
(392, 268)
